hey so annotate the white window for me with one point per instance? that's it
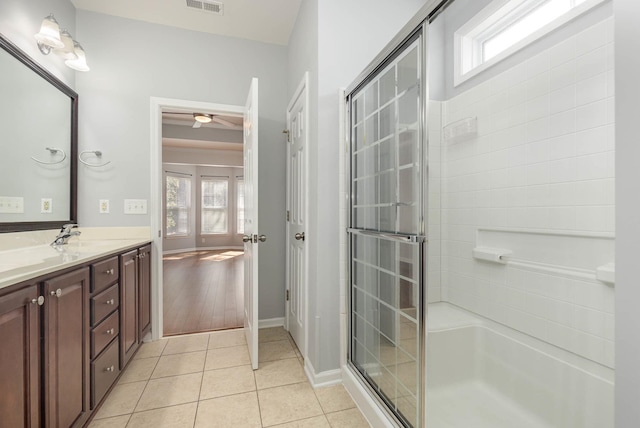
(240, 205)
(178, 199)
(505, 26)
(215, 206)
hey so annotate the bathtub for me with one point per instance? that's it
(484, 374)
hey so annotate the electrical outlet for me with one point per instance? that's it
(135, 206)
(46, 206)
(104, 206)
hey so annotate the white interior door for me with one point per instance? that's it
(251, 238)
(296, 214)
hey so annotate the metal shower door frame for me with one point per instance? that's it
(419, 33)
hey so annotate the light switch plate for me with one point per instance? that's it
(11, 205)
(135, 206)
(46, 206)
(104, 206)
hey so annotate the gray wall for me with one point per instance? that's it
(627, 66)
(21, 19)
(132, 61)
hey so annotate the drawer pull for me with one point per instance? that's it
(109, 271)
(56, 293)
(39, 301)
(110, 331)
(109, 369)
(110, 302)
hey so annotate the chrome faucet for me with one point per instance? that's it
(65, 233)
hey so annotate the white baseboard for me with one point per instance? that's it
(326, 378)
(375, 415)
(272, 322)
(191, 249)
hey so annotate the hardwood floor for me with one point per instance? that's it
(203, 291)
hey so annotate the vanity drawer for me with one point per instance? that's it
(104, 274)
(104, 333)
(103, 304)
(104, 371)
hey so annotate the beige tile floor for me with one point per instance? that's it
(205, 380)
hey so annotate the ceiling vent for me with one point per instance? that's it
(207, 6)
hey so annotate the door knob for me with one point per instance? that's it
(299, 236)
(246, 238)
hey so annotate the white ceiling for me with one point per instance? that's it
(269, 21)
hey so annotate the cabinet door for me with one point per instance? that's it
(144, 290)
(128, 306)
(20, 359)
(66, 342)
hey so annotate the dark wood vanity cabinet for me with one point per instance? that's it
(66, 349)
(135, 300)
(144, 291)
(65, 338)
(105, 327)
(44, 353)
(129, 306)
(20, 358)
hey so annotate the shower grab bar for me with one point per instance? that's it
(400, 237)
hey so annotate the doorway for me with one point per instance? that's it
(203, 221)
(250, 238)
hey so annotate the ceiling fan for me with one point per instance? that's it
(201, 118)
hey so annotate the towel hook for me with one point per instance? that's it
(53, 151)
(98, 154)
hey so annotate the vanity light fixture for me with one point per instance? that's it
(67, 52)
(52, 38)
(49, 36)
(80, 63)
(202, 117)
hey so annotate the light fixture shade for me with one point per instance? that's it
(202, 118)
(80, 63)
(67, 52)
(49, 34)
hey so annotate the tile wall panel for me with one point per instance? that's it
(542, 162)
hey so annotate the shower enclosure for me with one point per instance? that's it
(387, 230)
(480, 230)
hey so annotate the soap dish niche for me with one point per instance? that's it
(460, 130)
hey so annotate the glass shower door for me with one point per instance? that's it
(387, 233)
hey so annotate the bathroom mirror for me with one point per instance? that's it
(38, 139)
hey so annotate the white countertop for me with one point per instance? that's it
(28, 255)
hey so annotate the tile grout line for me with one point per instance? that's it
(255, 382)
(195, 417)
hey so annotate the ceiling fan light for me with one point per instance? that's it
(202, 117)
(49, 36)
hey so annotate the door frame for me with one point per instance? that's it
(303, 88)
(157, 106)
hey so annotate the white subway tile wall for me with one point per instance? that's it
(543, 161)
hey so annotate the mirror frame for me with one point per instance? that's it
(21, 56)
